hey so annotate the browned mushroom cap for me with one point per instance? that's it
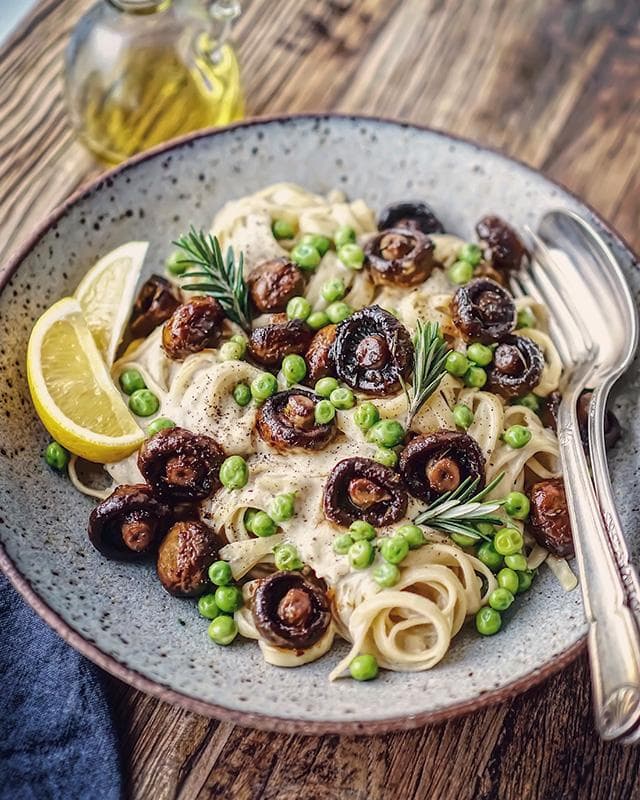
(192, 327)
(319, 356)
(360, 488)
(483, 311)
(128, 523)
(549, 410)
(438, 463)
(271, 343)
(180, 465)
(286, 421)
(273, 283)
(516, 367)
(502, 244)
(412, 214)
(184, 557)
(549, 517)
(372, 351)
(399, 257)
(154, 304)
(612, 430)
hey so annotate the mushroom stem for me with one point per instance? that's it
(443, 474)
(365, 493)
(138, 534)
(295, 607)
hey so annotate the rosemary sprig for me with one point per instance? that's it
(461, 510)
(430, 353)
(225, 277)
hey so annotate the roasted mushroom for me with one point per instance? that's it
(483, 311)
(360, 488)
(184, 556)
(612, 430)
(549, 517)
(286, 421)
(399, 257)
(549, 410)
(192, 327)
(269, 344)
(412, 214)
(273, 283)
(502, 245)
(154, 304)
(516, 367)
(372, 351)
(180, 465)
(437, 463)
(128, 523)
(291, 609)
(319, 356)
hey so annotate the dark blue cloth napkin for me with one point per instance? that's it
(57, 738)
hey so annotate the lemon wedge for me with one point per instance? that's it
(72, 390)
(106, 294)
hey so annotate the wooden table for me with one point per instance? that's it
(554, 82)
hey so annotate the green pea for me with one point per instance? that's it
(283, 229)
(361, 554)
(228, 598)
(317, 320)
(475, 377)
(517, 505)
(517, 562)
(508, 541)
(386, 574)
(239, 339)
(261, 524)
(305, 256)
(56, 456)
(283, 507)
(131, 381)
(324, 412)
(234, 472)
(232, 351)
(461, 272)
(529, 401)
(223, 630)
(359, 530)
(488, 621)
(385, 456)
(501, 599)
(456, 363)
(176, 265)
(159, 424)
(207, 607)
(325, 386)
(462, 415)
(249, 516)
(413, 536)
(263, 386)
(333, 290)
(344, 235)
(526, 319)
(366, 415)
(394, 549)
(298, 308)
(386, 433)
(525, 579)
(517, 436)
(317, 240)
(462, 540)
(294, 368)
(242, 394)
(220, 573)
(338, 312)
(287, 558)
(144, 403)
(480, 354)
(351, 255)
(471, 253)
(490, 556)
(485, 528)
(342, 398)
(342, 543)
(364, 667)
(508, 579)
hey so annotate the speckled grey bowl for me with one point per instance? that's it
(118, 614)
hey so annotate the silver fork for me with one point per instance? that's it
(613, 637)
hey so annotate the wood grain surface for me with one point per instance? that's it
(555, 83)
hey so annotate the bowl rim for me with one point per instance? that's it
(160, 690)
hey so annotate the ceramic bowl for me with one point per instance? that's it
(118, 614)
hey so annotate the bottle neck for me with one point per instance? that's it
(141, 6)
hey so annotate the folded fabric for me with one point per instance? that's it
(57, 738)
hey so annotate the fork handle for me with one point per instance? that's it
(614, 640)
